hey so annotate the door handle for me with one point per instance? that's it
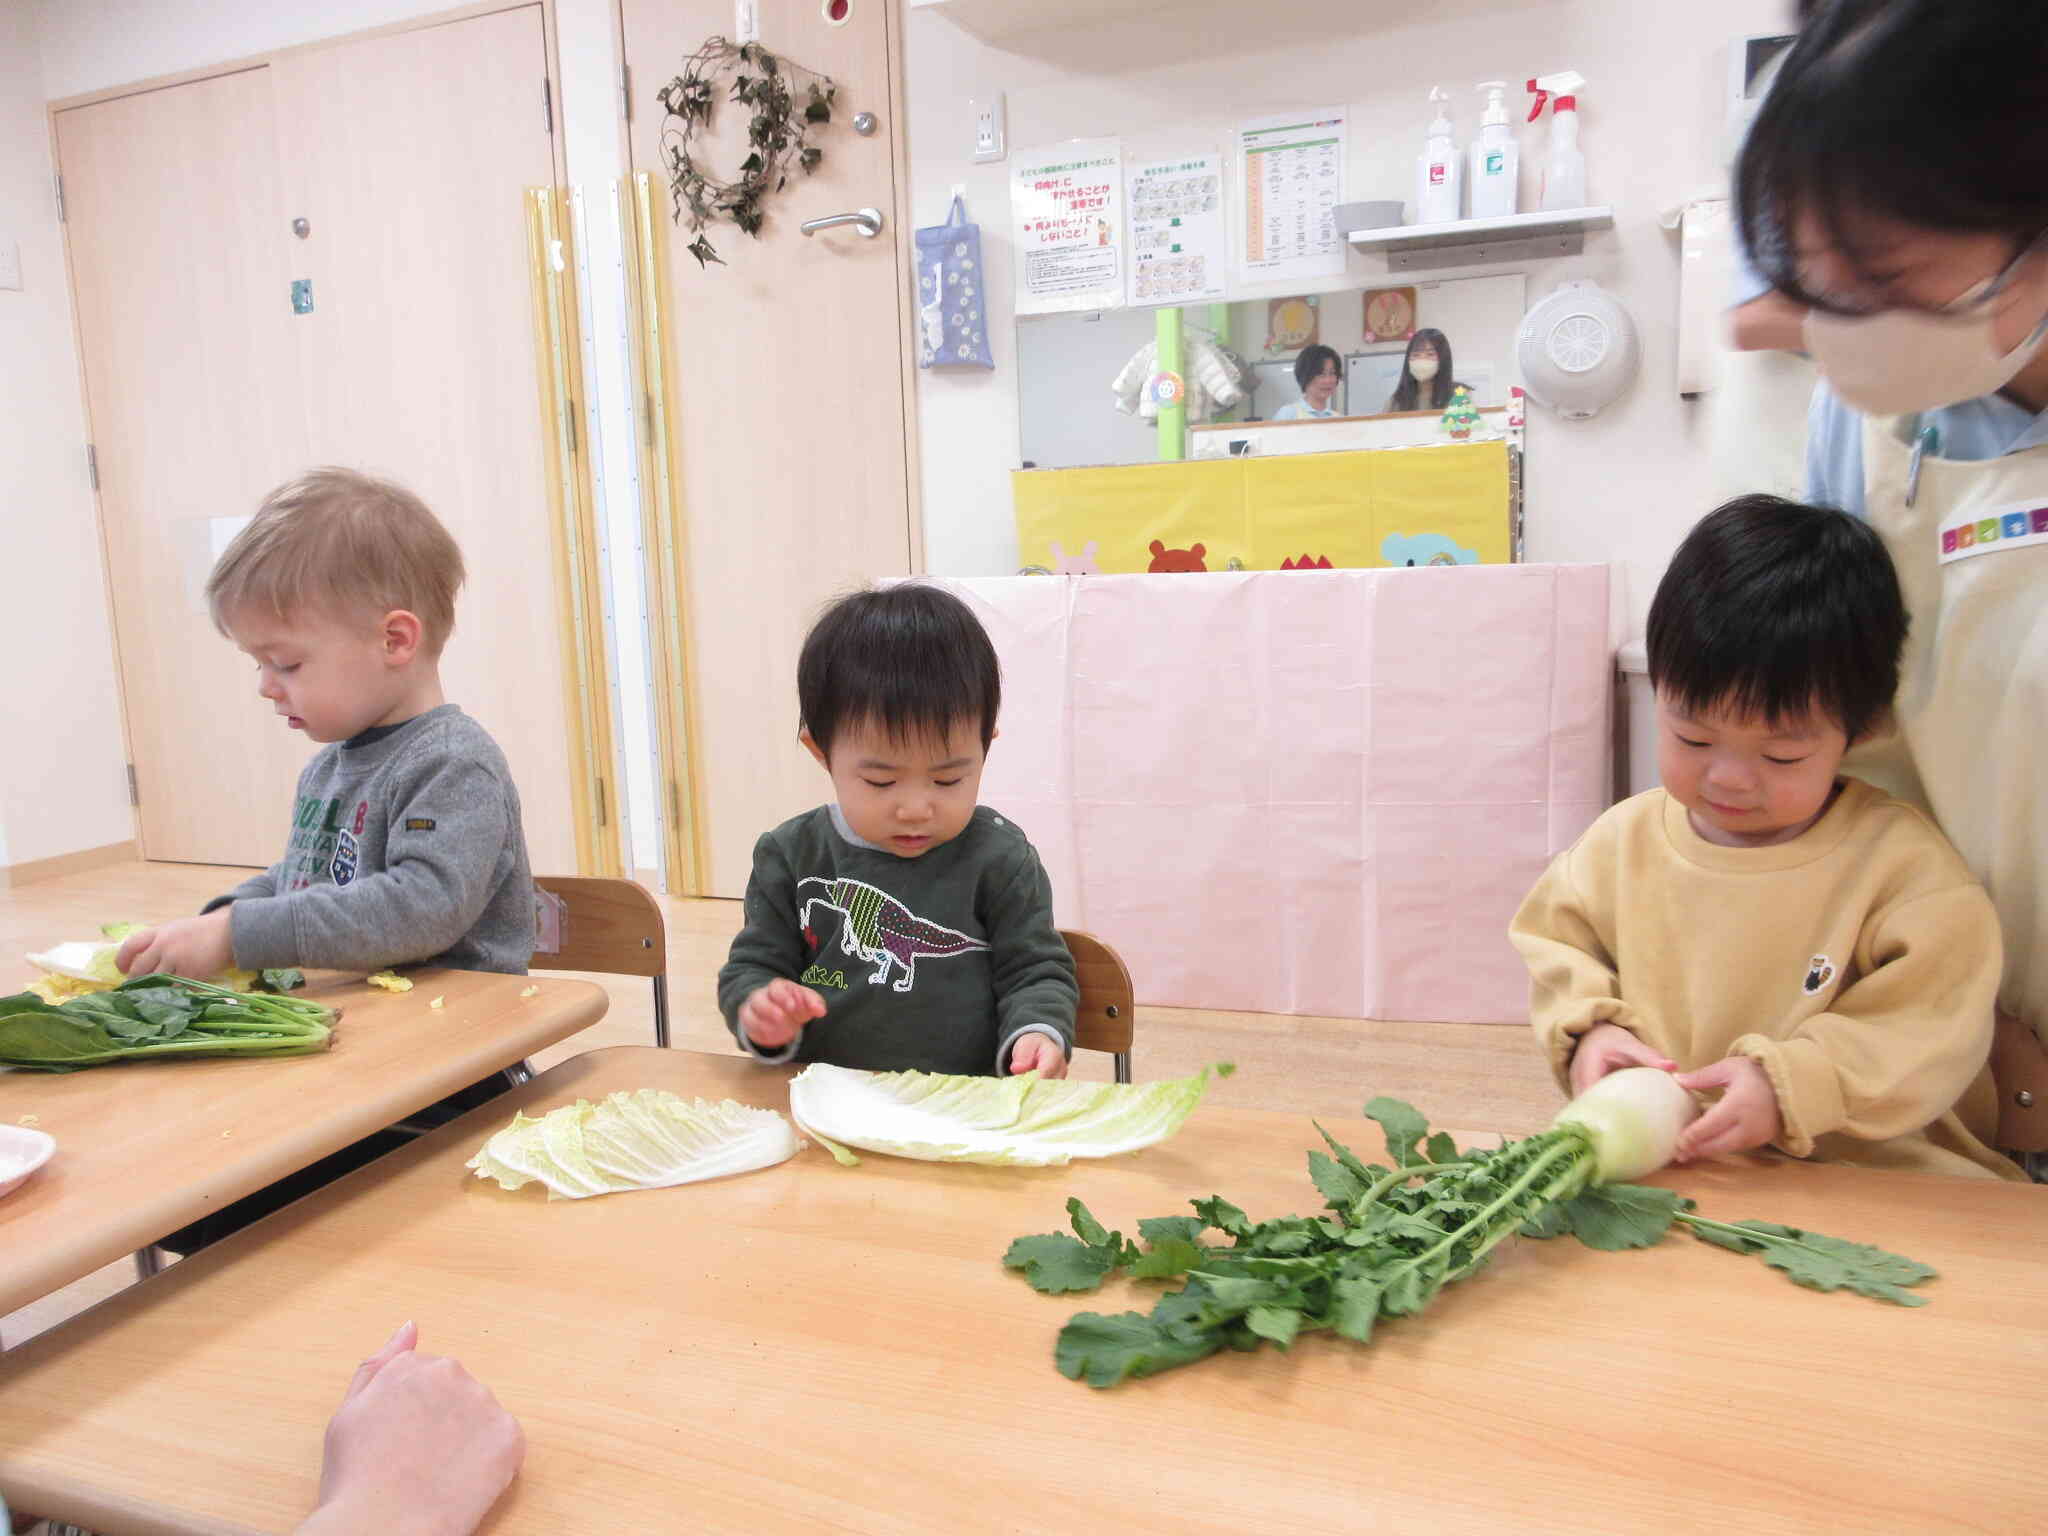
(868, 221)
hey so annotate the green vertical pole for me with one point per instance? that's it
(1219, 322)
(1173, 419)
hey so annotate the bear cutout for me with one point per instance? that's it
(1164, 559)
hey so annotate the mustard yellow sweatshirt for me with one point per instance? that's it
(1857, 964)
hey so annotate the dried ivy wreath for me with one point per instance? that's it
(787, 102)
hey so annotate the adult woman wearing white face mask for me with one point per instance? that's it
(1895, 183)
(1426, 378)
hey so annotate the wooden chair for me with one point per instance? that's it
(2019, 1068)
(613, 927)
(1107, 1016)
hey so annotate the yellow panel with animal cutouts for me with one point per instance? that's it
(1445, 504)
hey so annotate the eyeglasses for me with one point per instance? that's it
(1970, 301)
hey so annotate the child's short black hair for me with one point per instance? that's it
(912, 659)
(1773, 608)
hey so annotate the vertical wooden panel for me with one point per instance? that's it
(181, 269)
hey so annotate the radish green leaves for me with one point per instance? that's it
(1393, 1238)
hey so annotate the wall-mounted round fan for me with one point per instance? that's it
(1577, 350)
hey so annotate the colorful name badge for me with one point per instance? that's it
(2023, 525)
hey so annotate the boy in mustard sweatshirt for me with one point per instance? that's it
(1777, 933)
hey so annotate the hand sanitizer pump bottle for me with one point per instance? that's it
(1496, 162)
(1439, 168)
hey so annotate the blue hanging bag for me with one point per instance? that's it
(952, 298)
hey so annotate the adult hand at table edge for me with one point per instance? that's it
(419, 1447)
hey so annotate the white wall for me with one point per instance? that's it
(62, 785)
(1622, 487)
(89, 45)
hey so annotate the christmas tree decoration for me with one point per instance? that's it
(1461, 415)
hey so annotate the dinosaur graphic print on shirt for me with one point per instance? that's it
(878, 928)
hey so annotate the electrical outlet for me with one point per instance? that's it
(990, 134)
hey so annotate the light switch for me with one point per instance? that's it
(10, 264)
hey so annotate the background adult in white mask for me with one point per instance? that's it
(1895, 184)
(1426, 379)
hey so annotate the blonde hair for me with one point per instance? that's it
(338, 539)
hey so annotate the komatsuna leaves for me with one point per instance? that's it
(1404, 1126)
(1823, 1263)
(1164, 1229)
(1337, 1184)
(1615, 1216)
(1103, 1349)
(1355, 1307)
(1086, 1227)
(1055, 1262)
(1346, 1158)
(1219, 1213)
(1280, 1324)
(1165, 1260)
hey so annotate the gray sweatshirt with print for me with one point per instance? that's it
(406, 848)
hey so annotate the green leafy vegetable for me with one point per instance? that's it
(1820, 1262)
(1395, 1239)
(1026, 1120)
(152, 1016)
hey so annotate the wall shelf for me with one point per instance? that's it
(1472, 242)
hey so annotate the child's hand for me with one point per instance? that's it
(1608, 1048)
(776, 1014)
(1746, 1118)
(199, 947)
(1040, 1051)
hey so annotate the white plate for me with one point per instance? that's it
(22, 1152)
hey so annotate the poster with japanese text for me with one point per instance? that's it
(1179, 241)
(1066, 205)
(1293, 181)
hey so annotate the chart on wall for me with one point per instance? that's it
(1293, 180)
(1066, 206)
(1179, 241)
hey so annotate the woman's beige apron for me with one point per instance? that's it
(1970, 543)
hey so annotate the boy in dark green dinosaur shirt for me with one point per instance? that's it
(902, 926)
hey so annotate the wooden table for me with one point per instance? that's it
(815, 1348)
(145, 1147)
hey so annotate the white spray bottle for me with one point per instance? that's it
(1496, 162)
(1439, 168)
(1564, 173)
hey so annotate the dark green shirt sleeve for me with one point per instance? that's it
(1028, 960)
(768, 946)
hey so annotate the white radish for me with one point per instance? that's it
(1633, 1118)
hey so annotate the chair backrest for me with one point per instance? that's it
(2019, 1068)
(610, 926)
(1106, 1019)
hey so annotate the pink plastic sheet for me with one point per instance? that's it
(1318, 792)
